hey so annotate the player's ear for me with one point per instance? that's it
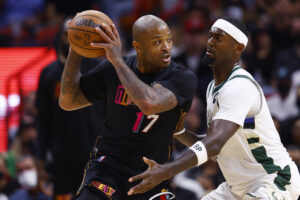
(239, 48)
(137, 46)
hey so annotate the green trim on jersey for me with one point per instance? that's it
(216, 89)
(210, 85)
(260, 154)
(241, 76)
(250, 195)
(283, 178)
(253, 140)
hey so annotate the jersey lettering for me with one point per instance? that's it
(122, 97)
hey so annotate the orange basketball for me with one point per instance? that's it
(81, 32)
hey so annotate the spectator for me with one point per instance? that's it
(281, 13)
(194, 43)
(25, 142)
(32, 181)
(282, 104)
(3, 179)
(296, 131)
(261, 59)
(290, 57)
(67, 136)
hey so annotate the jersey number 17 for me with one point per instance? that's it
(139, 121)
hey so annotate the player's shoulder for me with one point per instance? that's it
(181, 70)
(239, 72)
(130, 60)
(240, 81)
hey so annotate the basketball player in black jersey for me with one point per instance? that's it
(145, 96)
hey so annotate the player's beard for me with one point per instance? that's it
(207, 60)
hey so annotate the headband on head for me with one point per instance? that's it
(231, 30)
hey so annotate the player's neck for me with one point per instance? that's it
(147, 69)
(221, 73)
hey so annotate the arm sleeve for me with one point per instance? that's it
(237, 101)
(93, 83)
(183, 84)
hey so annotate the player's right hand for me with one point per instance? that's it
(153, 176)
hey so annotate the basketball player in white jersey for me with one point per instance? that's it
(241, 133)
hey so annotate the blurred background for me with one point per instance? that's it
(40, 143)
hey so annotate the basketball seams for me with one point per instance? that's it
(82, 46)
(81, 33)
(78, 29)
(95, 17)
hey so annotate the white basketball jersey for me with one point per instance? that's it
(255, 150)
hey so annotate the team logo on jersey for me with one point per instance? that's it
(122, 97)
(107, 190)
(163, 195)
(101, 158)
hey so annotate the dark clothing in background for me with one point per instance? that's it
(68, 135)
(71, 7)
(203, 73)
(289, 59)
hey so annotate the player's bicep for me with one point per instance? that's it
(218, 133)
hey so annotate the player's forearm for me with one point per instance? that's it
(142, 94)
(70, 80)
(184, 162)
(189, 138)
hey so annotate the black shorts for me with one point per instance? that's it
(107, 178)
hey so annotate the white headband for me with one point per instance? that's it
(231, 30)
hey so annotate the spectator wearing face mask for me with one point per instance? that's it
(33, 181)
(282, 104)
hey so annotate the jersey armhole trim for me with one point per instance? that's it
(256, 85)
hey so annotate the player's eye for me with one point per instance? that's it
(157, 42)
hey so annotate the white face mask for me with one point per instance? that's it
(28, 178)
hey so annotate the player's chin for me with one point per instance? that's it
(165, 63)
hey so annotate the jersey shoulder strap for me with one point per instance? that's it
(256, 85)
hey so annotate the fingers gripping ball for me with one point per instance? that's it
(81, 33)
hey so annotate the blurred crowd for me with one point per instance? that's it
(41, 145)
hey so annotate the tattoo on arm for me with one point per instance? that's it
(149, 99)
(71, 96)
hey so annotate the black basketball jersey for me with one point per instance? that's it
(128, 133)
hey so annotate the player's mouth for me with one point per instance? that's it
(210, 52)
(166, 58)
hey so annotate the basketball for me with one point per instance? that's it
(81, 33)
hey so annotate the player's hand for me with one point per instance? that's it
(153, 176)
(112, 42)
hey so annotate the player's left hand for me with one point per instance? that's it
(112, 43)
(153, 176)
